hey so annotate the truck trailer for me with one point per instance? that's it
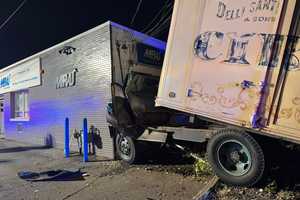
(230, 76)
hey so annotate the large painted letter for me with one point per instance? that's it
(294, 62)
(270, 42)
(237, 52)
(207, 45)
(221, 10)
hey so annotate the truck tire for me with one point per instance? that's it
(236, 157)
(127, 149)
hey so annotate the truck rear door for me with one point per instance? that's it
(286, 104)
(226, 56)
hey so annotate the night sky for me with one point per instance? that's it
(40, 24)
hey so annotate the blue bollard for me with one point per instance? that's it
(67, 138)
(85, 141)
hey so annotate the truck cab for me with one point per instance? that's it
(133, 116)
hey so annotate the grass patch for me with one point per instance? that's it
(202, 167)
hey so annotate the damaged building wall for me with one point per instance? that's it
(76, 79)
(124, 49)
(88, 60)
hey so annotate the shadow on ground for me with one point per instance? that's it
(167, 156)
(21, 149)
(284, 169)
(5, 161)
(167, 160)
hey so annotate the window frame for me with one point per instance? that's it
(25, 110)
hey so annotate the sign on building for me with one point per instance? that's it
(66, 80)
(149, 55)
(20, 77)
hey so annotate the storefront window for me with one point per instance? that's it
(20, 108)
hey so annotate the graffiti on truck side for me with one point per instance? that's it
(219, 98)
(245, 100)
(288, 113)
(209, 45)
(293, 111)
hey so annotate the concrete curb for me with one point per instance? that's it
(202, 194)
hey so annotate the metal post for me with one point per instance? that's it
(67, 138)
(85, 140)
(93, 132)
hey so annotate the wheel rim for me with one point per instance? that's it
(234, 158)
(125, 147)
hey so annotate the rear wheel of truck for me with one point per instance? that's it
(236, 157)
(127, 149)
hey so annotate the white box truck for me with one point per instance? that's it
(231, 63)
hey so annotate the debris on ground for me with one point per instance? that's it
(52, 175)
(224, 192)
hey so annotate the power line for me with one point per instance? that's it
(157, 15)
(163, 30)
(166, 12)
(164, 25)
(160, 27)
(136, 12)
(163, 20)
(13, 14)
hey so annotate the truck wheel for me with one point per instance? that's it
(127, 149)
(236, 157)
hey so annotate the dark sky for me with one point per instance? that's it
(43, 23)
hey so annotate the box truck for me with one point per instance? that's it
(230, 75)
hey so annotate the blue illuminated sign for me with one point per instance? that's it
(5, 81)
(147, 54)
